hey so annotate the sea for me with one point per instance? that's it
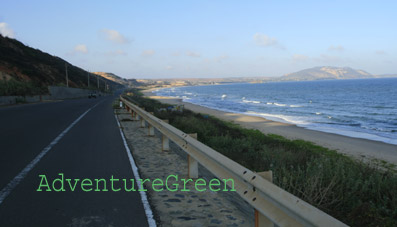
(362, 108)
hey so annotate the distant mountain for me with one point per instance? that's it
(118, 79)
(386, 76)
(327, 73)
(20, 64)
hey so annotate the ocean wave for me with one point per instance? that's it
(295, 106)
(383, 107)
(279, 104)
(345, 124)
(248, 101)
(379, 129)
(281, 118)
(351, 133)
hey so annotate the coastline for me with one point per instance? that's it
(362, 149)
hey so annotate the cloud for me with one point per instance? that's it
(221, 58)
(336, 48)
(168, 67)
(299, 57)
(148, 53)
(81, 48)
(328, 59)
(116, 53)
(264, 40)
(114, 36)
(380, 52)
(193, 54)
(5, 30)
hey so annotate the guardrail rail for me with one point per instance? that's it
(273, 204)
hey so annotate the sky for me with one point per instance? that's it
(208, 39)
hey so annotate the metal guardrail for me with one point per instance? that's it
(277, 205)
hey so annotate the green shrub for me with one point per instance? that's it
(19, 88)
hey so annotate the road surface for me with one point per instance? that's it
(91, 148)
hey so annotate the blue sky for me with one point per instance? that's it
(168, 39)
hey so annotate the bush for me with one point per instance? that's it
(18, 88)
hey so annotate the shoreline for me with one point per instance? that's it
(362, 149)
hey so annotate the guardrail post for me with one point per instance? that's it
(150, 130)
(143, 123)
(260, 219)
(165, 142)
(192, 163)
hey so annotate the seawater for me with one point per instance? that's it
(365, 108)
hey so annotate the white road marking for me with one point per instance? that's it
(14, 182)
(146, 205)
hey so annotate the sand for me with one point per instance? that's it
(361, 149)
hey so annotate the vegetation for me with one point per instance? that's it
(357, 193)
(19, 88)
(32, 70)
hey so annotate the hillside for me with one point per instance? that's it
(21, 65)
(120, 80)
(327, 73)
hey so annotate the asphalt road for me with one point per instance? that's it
(92, 148)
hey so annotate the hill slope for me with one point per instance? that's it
(22, 64)
(326, 73)
(120, 80)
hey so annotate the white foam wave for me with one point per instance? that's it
(309, 125)
(351, 133)
(279, 104)
(280, 118)
(248, 101)
(306, 123)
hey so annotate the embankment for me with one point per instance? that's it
(55, 93)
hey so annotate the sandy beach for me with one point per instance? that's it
(362, 149)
